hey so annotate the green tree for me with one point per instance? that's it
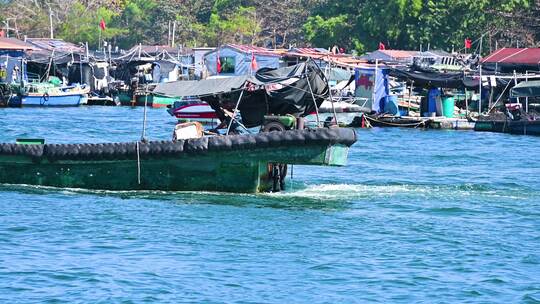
(82, 25)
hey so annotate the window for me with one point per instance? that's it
(227, 65)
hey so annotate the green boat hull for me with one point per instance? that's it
(159, 101)
(225, 164)
(126, 99)
(227, 171)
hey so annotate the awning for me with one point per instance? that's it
(200, 87)
(295, 90)
(433, 79)
(526, 89)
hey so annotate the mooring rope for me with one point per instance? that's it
(138, 164)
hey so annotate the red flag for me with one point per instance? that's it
(218, 64)
(381, 46)
(102, 25)
(468, 43)
(2, 34)
(254, 65)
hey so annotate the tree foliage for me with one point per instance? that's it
(410, 24)
(352, 24)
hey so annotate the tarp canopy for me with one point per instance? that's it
(200, 87)
(289, 90)
(338, 74)
(434, 79)
(526, 89)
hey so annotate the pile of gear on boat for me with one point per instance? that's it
(384, 88)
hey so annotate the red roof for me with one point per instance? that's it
(310, 51)
(399, 53)
(514, 55)
(14, 44)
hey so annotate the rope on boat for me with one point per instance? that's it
(292, 176)
(138, 164)
(416, 124)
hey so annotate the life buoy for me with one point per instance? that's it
(44, 98)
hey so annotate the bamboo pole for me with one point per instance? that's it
(235, 109)
(313, 97)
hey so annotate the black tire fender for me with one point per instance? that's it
(273, 126)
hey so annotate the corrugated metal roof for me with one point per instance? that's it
(439, 53)
(250, 49)
(514, 55)
(14, 44)
(157, 49)
(55, 44)
(344, 60)
(309, 51)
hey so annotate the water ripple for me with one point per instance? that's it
(417, 216)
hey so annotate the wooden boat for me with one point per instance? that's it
(159, 101)
(396, 121)
(513, 120)
(520, 127)
(233, 163)
(48, 95)
(134, 99)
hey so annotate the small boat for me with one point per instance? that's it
(137, 98)
(48, 95)
(515, 118)
(346, 113)
(159, 101)
(385, 120)
(519, 127)
(194, 110)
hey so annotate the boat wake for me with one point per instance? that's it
(313, 196)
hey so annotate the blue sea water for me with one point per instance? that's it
(416, 217)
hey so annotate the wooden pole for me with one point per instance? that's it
(526, 98)
(515, 83)
(374, 83)
(410, 95)
(51, 23)
(169, 33)
(173, 32)
(330, 91)
(480, 92)
(143, 135)
(466, 104)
